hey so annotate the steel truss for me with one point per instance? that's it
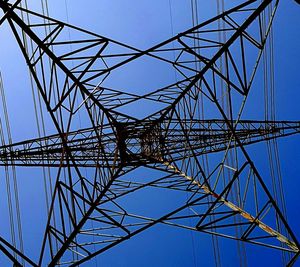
(172, 140)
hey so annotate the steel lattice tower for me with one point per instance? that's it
(98, 163)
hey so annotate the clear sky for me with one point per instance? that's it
(143, 23)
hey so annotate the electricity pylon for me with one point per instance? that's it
(88, 213)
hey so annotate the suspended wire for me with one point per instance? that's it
(8, 191)
(201, 111)
(47, 27)
(232, 156)
(270, 114)
(173, 33)
(194, 9)
(176, 79)
(75, 255)
(37, 102)
(223, 89)
(14, 179)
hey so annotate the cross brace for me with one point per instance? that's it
(138, 146)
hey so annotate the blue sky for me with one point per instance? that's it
(142, 24)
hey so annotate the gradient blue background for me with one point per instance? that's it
(142, 23)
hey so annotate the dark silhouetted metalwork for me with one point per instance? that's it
(97, 162)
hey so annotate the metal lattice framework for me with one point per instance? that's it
(97, 165)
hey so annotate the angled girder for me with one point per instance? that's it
(172, 139)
